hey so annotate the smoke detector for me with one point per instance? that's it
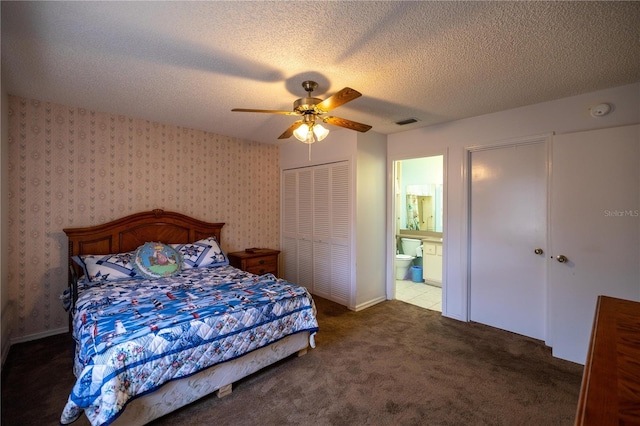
(600, 110)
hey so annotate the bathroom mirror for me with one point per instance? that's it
(421, 212)
(419, 194)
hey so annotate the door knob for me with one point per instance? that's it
(562, 258)
(538, 251)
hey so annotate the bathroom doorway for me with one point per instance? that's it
(418, 229)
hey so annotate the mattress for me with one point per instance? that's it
(134, 336)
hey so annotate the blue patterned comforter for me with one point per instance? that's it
(132, 336)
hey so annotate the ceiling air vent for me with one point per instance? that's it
(407, 121)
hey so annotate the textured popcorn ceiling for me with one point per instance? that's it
(190, 63)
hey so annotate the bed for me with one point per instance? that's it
(150, 340)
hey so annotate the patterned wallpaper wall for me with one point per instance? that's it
(71, 167)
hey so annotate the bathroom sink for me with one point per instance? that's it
(433, 239)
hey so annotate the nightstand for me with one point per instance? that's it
(261, 261)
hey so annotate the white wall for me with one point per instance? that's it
(371, 219)
(560, 116)
(422, 170)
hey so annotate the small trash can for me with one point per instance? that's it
(416, 274)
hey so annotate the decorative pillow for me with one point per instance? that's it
(156, 260)
(201, 254)
(106, 267)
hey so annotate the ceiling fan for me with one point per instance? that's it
(313, 110)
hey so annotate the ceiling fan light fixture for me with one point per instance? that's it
(310, 132)
(302, 133)
(320, 132)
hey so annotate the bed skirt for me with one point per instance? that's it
(178, 393)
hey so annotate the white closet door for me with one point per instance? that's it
(289, 259)
(305, 264)
(289, 249)
(508, 223)
(316, 230)
(290, 205)
(340, 232)
(305, 204)
(305, 229)
(595, 217)
(296, 228)
(321, 227)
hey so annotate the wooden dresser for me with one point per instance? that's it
(261, 261)
(610, 392)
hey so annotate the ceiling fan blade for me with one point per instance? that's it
(347, 123)
(268, 111)
(342, 97)
(289, 132)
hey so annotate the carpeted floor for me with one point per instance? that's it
(391, 364)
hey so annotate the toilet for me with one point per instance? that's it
(411, 248)
(403, 263)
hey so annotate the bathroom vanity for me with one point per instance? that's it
(432, 262)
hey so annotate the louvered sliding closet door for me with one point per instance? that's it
(331, 253)
(321, 233)
(305, 229)
(289, 249)
(316, 251)
(340, 226)
(296, 242)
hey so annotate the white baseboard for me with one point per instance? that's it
(370, 303)
(434, 283)
(455, 317)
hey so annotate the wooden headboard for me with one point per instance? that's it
(128, 233)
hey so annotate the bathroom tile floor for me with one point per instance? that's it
(419, 294)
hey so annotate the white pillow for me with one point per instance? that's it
(107, 267)
(202, 254)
